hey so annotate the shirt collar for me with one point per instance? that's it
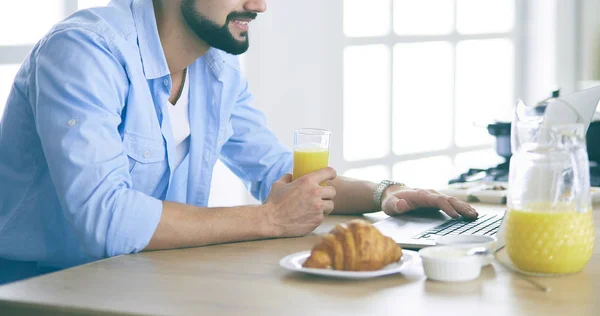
(215, 61)
(153, 58)
(151, 51)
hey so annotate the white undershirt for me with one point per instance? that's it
(180, 123)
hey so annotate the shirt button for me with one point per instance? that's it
(146, 154)
(72, 122)
(219, 139)
(166, 82)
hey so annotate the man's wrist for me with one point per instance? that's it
(380, 192)
(268, 225)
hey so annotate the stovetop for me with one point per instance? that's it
(496, 173)
(500, 173)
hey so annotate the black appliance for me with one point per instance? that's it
(501, 132)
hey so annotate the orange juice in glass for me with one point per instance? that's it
(311, 151)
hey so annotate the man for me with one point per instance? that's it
(113, 126)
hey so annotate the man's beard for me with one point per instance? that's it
(216, 36)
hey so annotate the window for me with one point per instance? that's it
(7, 76)
(83, 4)
(420, 77)
(23, 27)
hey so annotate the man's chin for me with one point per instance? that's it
(232, 43)
(238, 49)
(240, 37)
(242, 45)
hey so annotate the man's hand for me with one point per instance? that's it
(398, 200)
(297, 208)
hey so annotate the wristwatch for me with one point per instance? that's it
(380, 189)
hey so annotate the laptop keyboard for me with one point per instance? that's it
(486, 225)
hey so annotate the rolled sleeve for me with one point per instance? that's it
(133, 225)
(78, 92)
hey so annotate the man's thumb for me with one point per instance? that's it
(287, 178)
(394, 206)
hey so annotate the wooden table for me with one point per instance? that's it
(245, 279)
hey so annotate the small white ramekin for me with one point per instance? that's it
(451, 264)
(470, 241)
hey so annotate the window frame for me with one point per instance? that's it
(517, 38)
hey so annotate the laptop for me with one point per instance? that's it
(416, 230)
(419, 229)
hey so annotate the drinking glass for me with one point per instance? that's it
(311, 151)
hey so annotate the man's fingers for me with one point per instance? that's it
(328, 207)
(322, 175)
(328, 193)
(445, 206)
(463, 208)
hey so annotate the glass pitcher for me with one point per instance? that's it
(549, 226)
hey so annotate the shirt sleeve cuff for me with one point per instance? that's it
(273, 176)
(133, 225)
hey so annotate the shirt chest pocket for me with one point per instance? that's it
(147, 161)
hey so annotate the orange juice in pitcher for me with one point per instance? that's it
(550, 242)
(549, 226)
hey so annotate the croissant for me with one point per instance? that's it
(355, 246)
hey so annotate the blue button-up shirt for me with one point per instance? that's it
(86, 146)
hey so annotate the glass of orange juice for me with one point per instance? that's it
(311, 151)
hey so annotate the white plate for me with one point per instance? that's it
(480, 191)
(492, 192)
(294, 262)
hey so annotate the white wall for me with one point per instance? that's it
(294, 68)
(562, 46)
(540, 42)
(590, 40)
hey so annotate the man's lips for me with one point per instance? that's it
(241, 23)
